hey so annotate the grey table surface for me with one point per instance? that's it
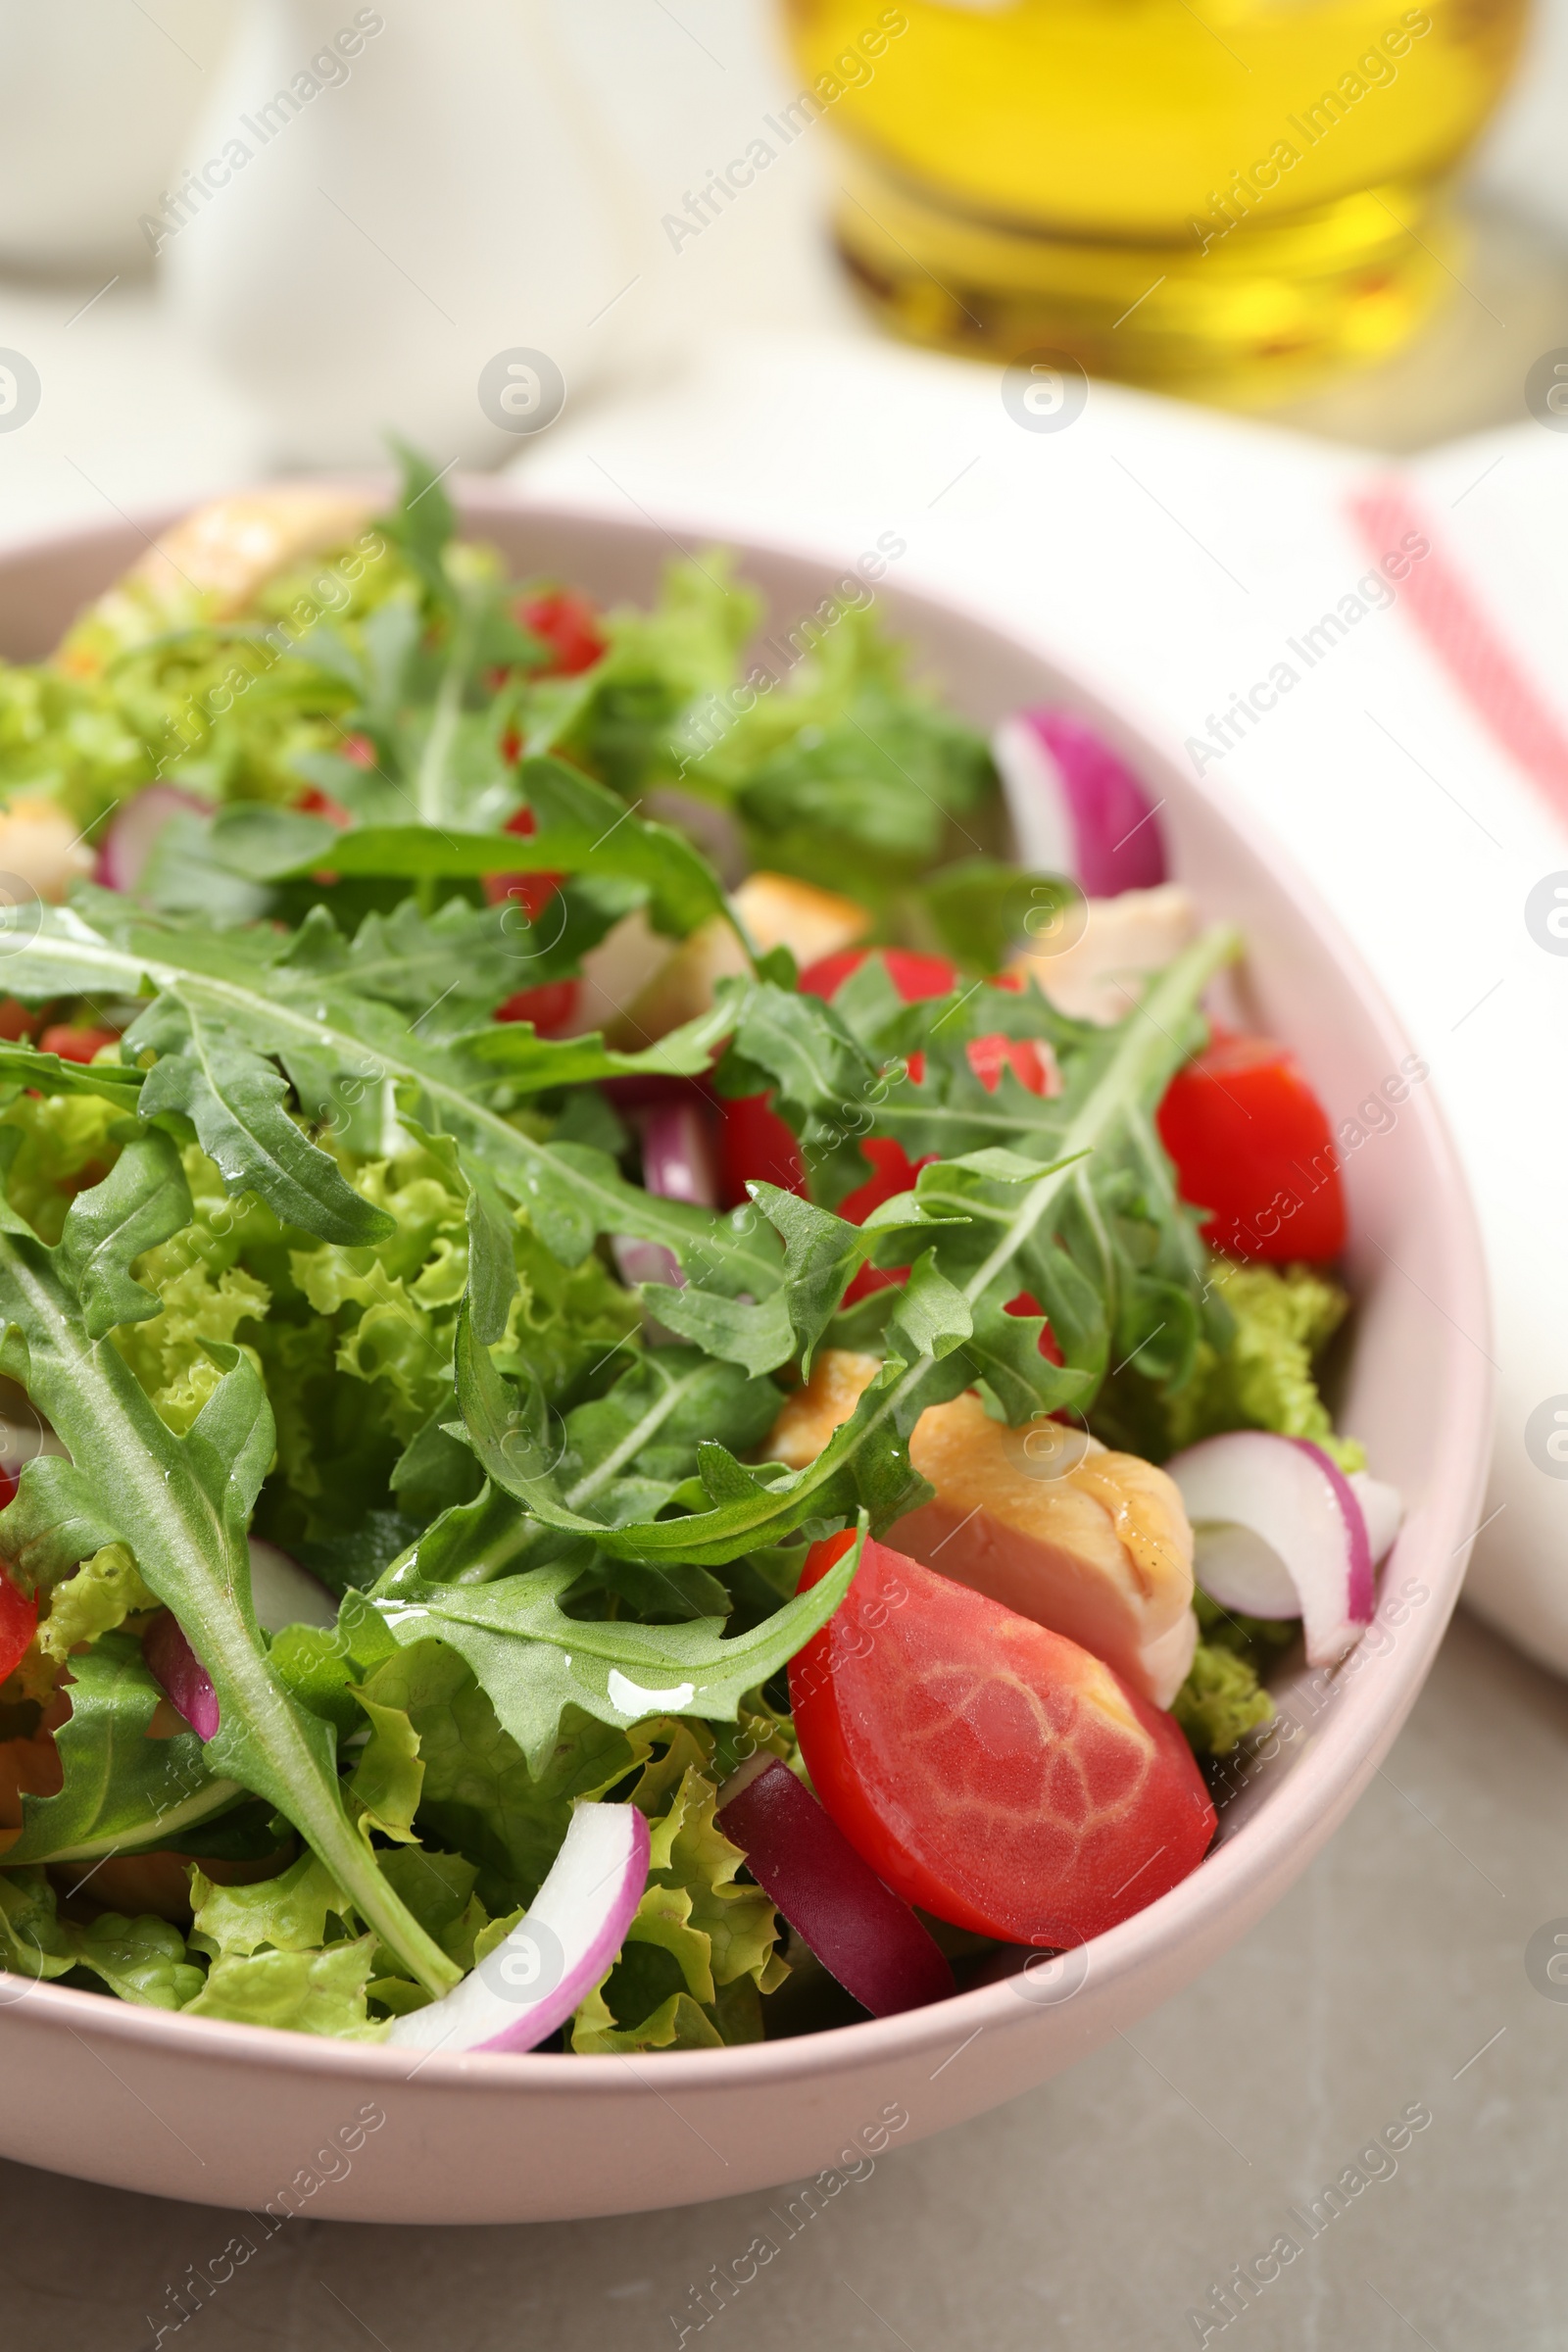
(1099, 2210)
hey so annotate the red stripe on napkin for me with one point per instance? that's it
(1462, 637)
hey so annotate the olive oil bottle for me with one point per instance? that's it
(1228, 198)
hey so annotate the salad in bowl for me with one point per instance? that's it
(652, 1400)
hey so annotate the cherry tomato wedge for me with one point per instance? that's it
(1253, 1145)
(19, 1621)
(533, 891)
(568, 625)
(916, 977)
(992, 1773)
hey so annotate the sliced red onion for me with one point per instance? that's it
(863, 1932)
(1076, 806)
(677, 1164)
(645, 1261)
(283, 1592)
(1273, 1515)
(1382, 1507)
(127, 845)
(183, 1678)
(555, 1956)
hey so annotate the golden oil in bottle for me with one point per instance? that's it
(1228, 198)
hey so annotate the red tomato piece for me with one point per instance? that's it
(357, 748)
(916, 977)
(1253, 1145)
(755, 1147)
(316, 802)
(18, 1619)
(17, 1020)
(550, 1006)
(991, 1772)
(75, 1045)
(533, 891)
(1032, 1064)
(568, 625)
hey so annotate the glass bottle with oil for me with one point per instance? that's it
(1227, 198)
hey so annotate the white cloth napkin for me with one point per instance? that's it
(1174, 557)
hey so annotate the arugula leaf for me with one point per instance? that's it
(183, 1504)
(532, 1660)
(583, 828)
(1096, 1232)
(122, 1791)
(233, 1007)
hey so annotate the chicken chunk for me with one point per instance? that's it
(1099, 978)
(42, 854)
(839, 1380)
(777, 912)
(1099, 1552)
(212, 564)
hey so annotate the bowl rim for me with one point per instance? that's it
(1310, 1800)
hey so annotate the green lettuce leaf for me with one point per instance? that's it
(122, 1791)
(298, 1992)
(182, 1505)
(103, 1592)
(698, 1932)
(478, 1793)
(1263, 1377)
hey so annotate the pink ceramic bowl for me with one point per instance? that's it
(238, 2116)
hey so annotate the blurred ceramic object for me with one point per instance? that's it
(408, 219)
(96, 100)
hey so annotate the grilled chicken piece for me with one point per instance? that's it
(1090, 1543)
(41, 853)
(839, 1379)
(1100, 977)
(636, 1007)
(208, 566)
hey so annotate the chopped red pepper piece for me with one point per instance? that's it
(755, 1147)
(568, 625)
(1031, 1061)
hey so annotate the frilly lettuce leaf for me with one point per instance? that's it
(104, 1591)
(302, 1993)
(122, 1790)
(67, 1144)
(285, 1914)
(1262, 1378)
(479, 1794)
(699, 1941)
(142, 1960)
